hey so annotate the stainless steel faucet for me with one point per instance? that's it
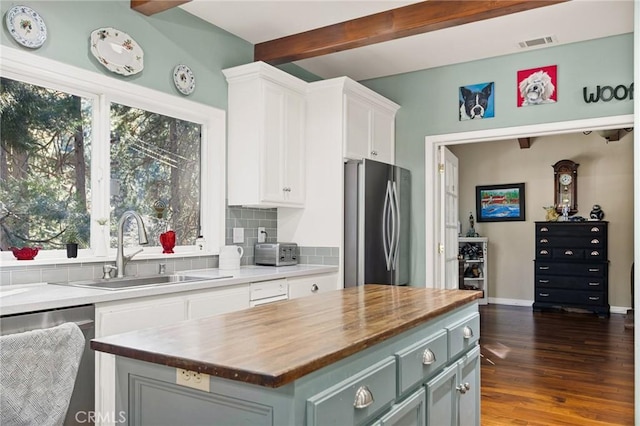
(121, 259)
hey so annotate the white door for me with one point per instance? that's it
(448, 220)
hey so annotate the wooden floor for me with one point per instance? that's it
(555, 368)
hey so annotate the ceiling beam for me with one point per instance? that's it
(151, 7)
(396, 23)
(524, 143)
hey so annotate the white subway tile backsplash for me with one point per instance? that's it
(248, 218)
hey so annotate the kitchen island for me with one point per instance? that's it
(368, 354)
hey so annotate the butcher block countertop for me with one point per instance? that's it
(275, 344)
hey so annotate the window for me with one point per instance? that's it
(80, 149)
(44, 179)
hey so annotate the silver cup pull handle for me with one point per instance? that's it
(364, 398)
(467, 332)
(428, 357)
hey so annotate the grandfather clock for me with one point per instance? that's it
(565, 182)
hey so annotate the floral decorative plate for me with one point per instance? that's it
(184, 79)
(117, 51)
(26, 26)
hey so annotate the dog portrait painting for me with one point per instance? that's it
(537, 86)
(476, 101)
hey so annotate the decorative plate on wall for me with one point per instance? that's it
(117, 51)
(184, 79)
(26, 26)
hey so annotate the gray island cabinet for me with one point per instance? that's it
(369, 355)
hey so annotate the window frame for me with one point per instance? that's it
(102, 90)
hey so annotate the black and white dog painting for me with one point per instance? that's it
(476, 101)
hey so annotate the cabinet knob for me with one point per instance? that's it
(314, 288)
(595, 253)
(543, 294)
(594, 298)
(463, 388)
(428, 357)
(544, 240)
(594, 269)
(594, 284)
(595, 229)
(543, 268)
(568, 252)
(467, 332)
(544, 252)
(543, 281)
(544, 229)
(364, 397)
(374, 153)
(595, 241)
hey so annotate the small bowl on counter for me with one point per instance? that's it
(25, 253)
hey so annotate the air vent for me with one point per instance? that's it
(538, 42)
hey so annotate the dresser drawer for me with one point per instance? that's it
(579, 269)
(421, 360)
(585, 229)
(568, 297)
(373, 390)
(463, 335)
(553, 241)
(570, 282)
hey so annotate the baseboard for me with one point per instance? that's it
(521, 302)
(512, 302)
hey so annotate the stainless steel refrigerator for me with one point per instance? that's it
(377, 204)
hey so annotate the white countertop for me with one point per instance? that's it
(17, 299)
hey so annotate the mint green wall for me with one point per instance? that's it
(167, 39)
(429, 104)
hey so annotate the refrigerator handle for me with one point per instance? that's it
(394, 232)
(385, 227)
(396, 227)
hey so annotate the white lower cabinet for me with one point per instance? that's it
(154, 311)
(313, 284)
(219, 301)
(453, 397)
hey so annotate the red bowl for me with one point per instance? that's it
(25, 253)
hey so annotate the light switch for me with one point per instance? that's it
(238, 235)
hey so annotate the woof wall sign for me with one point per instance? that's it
(607, 93)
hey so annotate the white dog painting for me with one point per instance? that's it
(536, 86)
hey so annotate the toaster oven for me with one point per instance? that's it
(276, 254)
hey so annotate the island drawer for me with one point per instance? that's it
(421, 360)
(356, 399)
(463, 334)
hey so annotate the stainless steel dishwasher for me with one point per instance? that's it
(81, 406)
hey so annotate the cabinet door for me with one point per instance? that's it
(217, 301)
(294, 152)
(410, 412)
(357, 128)
(315, 284)
(383, 137)
(442, 398)
(272, 164)
(469, 401)
(151, 312)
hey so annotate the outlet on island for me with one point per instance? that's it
(192, 379)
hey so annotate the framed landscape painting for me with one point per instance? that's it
(500, 203)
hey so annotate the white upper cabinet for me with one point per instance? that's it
(266, 145)
(369, 124)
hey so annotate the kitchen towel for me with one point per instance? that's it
(38, 372)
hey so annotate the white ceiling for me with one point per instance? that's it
(259, 21)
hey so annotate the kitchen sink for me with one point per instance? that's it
(137, 282)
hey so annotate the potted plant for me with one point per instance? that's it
(72, 240)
